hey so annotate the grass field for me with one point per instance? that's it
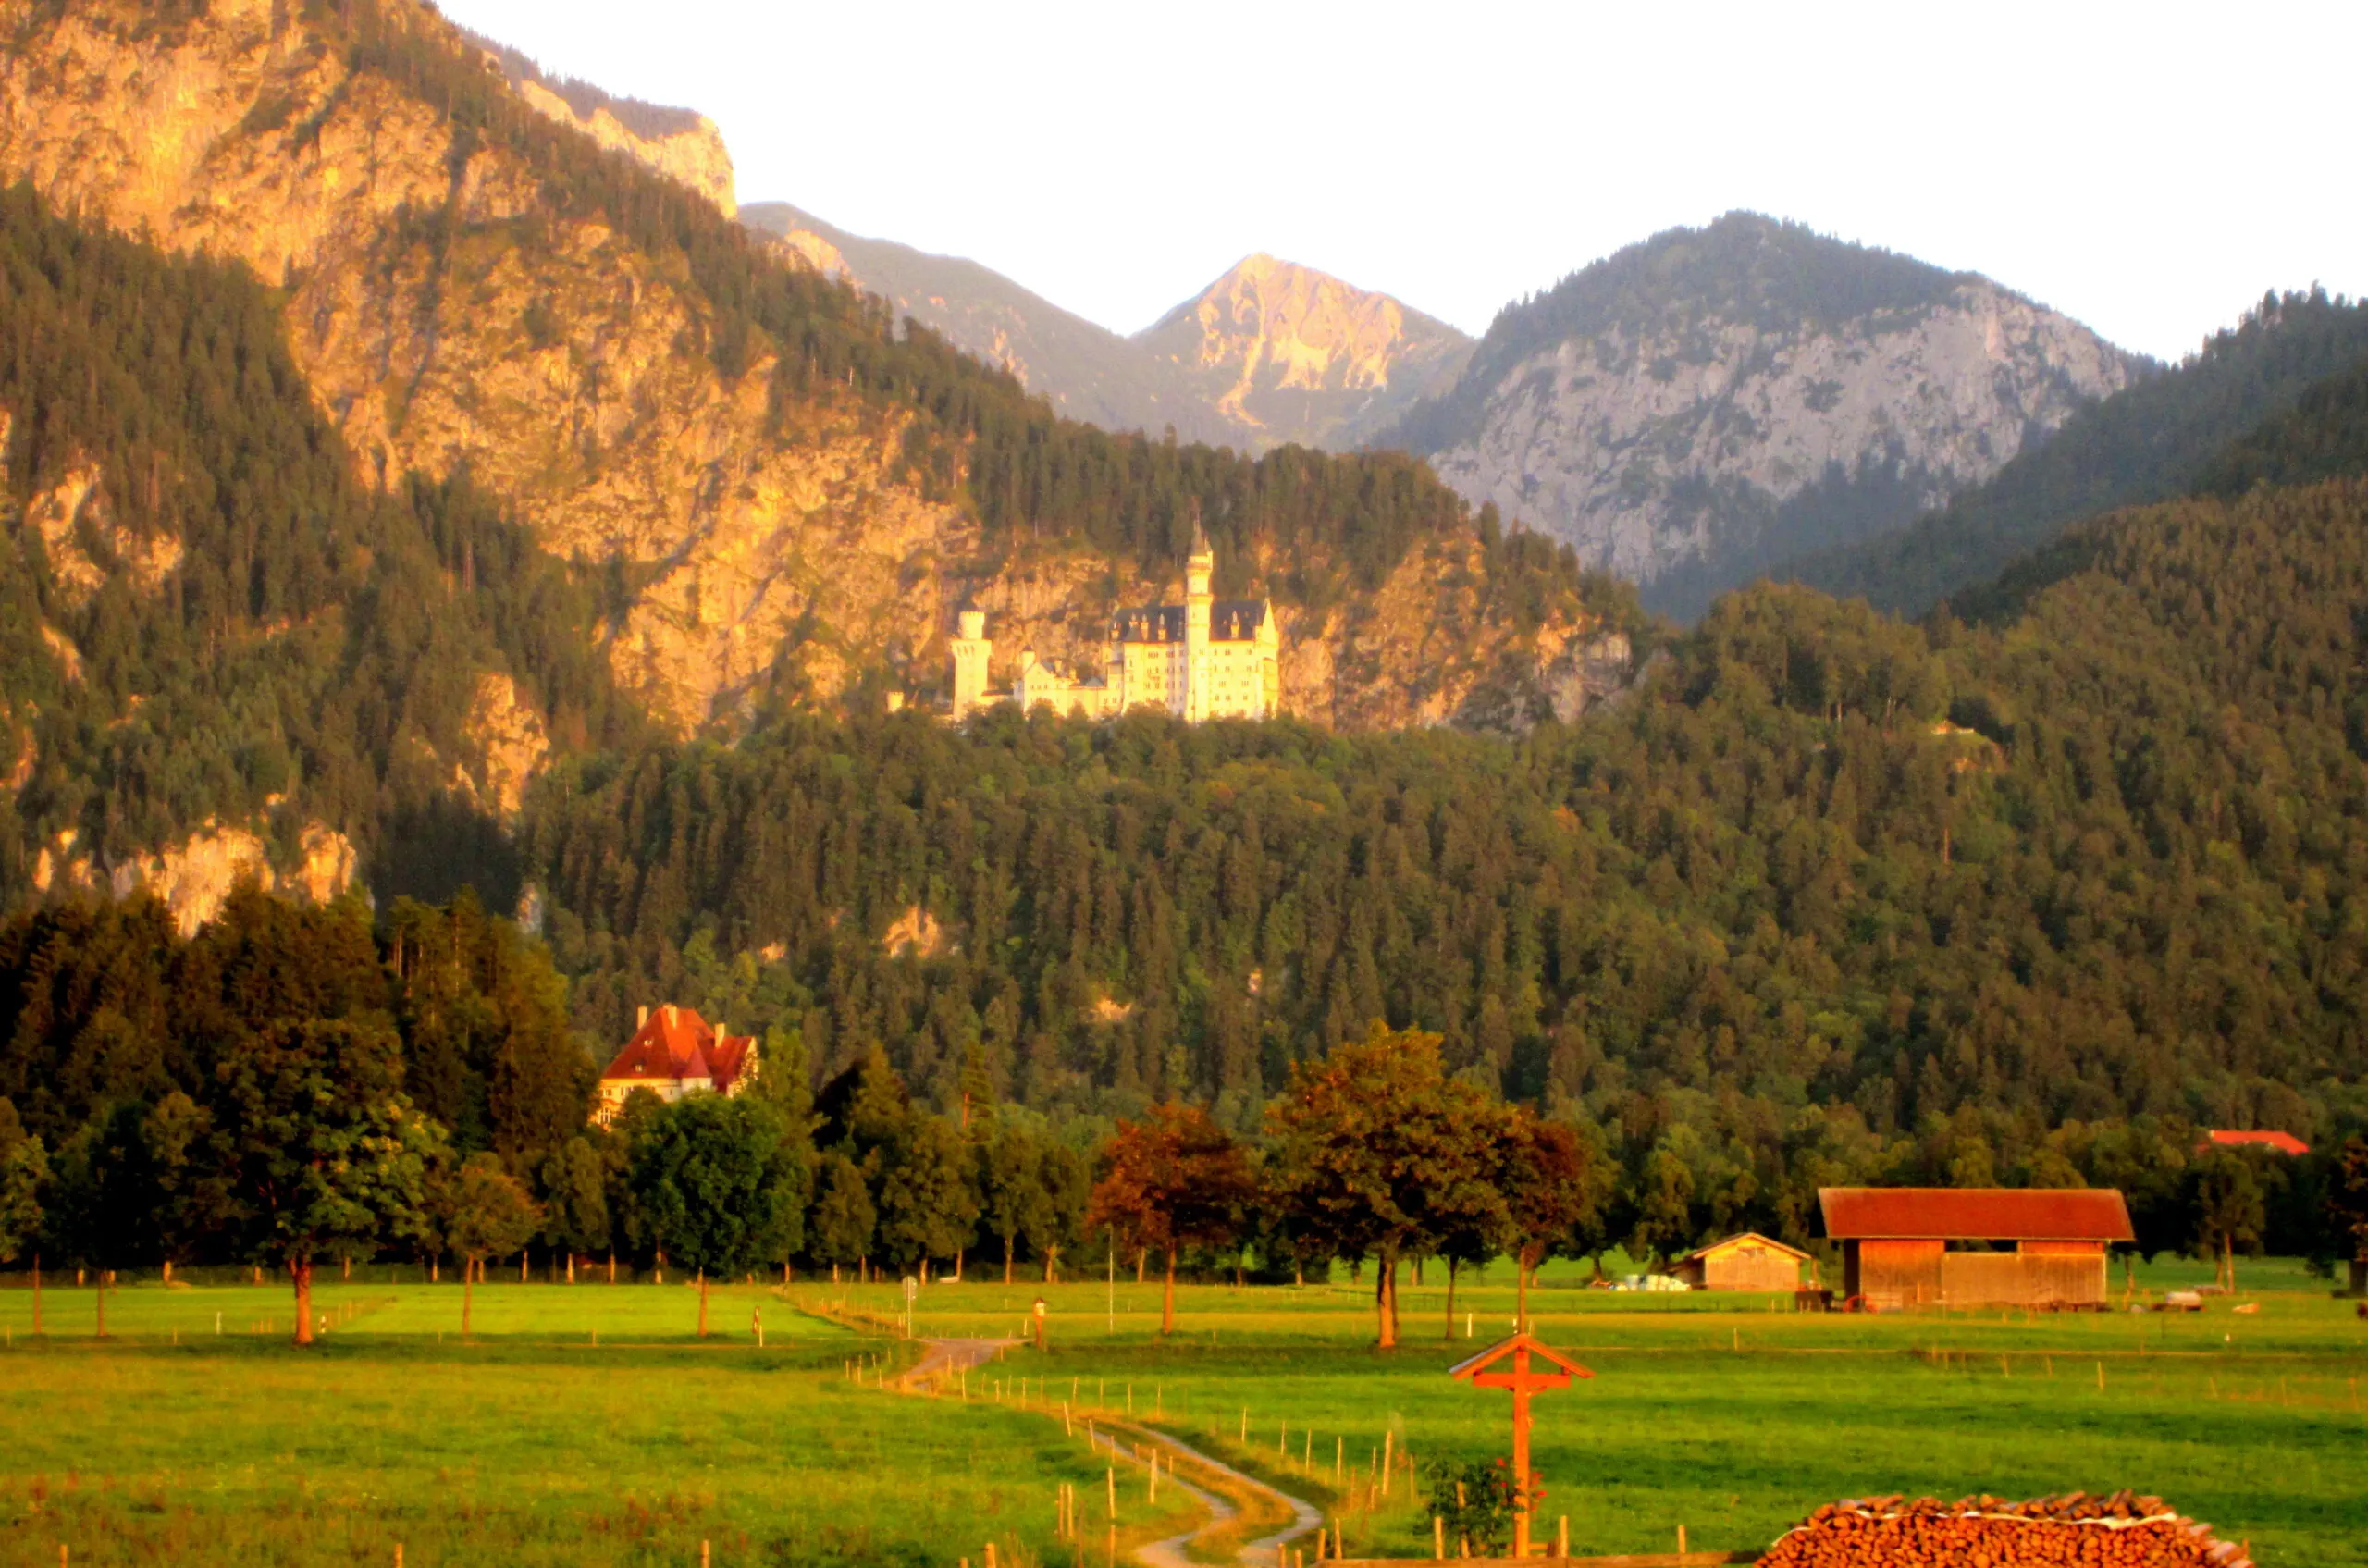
(170, 1442)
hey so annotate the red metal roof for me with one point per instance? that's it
(675, 1043)
(1976, 1214)
(2284, 1142)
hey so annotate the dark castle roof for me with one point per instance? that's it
(1230, 620)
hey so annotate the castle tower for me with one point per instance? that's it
(1198, 568)
(971, 650)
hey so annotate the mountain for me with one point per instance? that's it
(1086, 372)
(2156, 440)
(1702, 404)
(647, 473)
(681, 143)
(1294, 354)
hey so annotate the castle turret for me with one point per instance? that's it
(1198, 568)
(971, 650)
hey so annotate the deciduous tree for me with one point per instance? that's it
(1375, 1146)
(315, 1144)
(483, 1212)
(713, 1178)
(1175, 1178)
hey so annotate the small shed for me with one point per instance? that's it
(1749, 1261)
(1975, 1246)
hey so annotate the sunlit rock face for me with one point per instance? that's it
(1293, 354)
(1701, 406)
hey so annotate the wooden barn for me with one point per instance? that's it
(1749, 1261)
(1974, 1246)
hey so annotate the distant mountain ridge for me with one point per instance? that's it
(1298, 356)
(1088, 371)
(1704, 404)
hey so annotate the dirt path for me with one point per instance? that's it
(1259, 1553)
(947, 1357)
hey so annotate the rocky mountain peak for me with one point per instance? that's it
(1295, 354)
(1695, 407)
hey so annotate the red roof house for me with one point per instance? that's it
(673, 1052)
(2284, 1142)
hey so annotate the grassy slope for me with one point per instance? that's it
(1718, 1412)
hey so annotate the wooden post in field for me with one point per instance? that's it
(1110, 1477)
(1563, 1535)
(703, 1555)
(1681, 1541)
(1389, 1439)
(1438, 1538)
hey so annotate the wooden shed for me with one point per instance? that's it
(1749, 1261)
(1974, 1246)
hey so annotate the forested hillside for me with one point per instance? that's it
(788, 489)
(2156, 440)
(208, 619)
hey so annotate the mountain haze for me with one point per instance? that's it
(1087, 372)
(1708, 402)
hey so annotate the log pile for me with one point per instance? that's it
(2077, 1530)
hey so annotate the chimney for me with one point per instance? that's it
(641, 1019)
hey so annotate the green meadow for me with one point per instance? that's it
(588, 1425)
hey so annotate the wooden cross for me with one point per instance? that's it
(1524, 1379)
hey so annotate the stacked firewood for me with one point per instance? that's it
(2078, 1529)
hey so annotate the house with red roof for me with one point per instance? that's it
(675, 1052)
(2282, 1143)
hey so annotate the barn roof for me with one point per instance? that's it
(675, 1043)
(1975, 1214)
(2284, 1142)
(1747, 1236)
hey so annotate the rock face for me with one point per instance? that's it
(1087, 372)
(194, 877)
(680, 144)
(1698, 406)
(1294, 354)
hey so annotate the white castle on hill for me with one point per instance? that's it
(1203, 659)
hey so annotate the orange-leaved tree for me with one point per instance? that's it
(1175, 1178)
(1380, 1154)
(1556, 1183)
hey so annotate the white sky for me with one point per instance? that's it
(2149, 168)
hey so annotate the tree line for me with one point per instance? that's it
(293, 1086)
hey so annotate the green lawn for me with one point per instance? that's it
(536, 1444)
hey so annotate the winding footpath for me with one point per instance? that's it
(948, 1358)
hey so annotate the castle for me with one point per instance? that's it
(1204, 658)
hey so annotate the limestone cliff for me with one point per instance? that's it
(1696, 407)
(195, 876)
(1294, 354)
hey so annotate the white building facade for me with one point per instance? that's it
(1204, 658)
